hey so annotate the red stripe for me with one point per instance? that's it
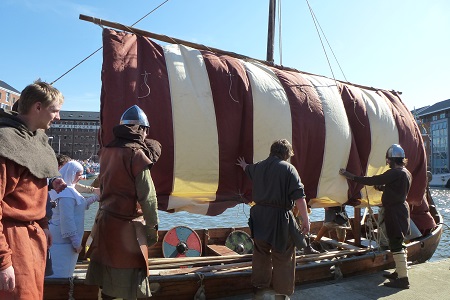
(126, 58)
(308, 128)
(359, 123)
(234, 116)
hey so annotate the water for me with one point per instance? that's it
(238, 216)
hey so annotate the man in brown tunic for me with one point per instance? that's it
(127, 221)
(26, 161)
(395, 184)
(276, 187)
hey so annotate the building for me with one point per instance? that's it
(8, 95)
(75, 134)
(433, 121)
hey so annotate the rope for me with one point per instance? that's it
(71, 286)
(317, 25)
(70, 70)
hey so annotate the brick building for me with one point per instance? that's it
(76, 134)
(8, 95)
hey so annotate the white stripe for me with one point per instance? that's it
(383, 133)
(196, 147)
(338, 139)
(271, 111)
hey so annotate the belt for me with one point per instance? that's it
(11, 220)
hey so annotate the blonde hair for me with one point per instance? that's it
(39, 91)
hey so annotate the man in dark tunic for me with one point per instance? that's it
(395, 184)
(276, 188)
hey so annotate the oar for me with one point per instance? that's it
(203, 269)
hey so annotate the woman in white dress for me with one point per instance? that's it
(67, 223)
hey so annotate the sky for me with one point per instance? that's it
(400, 45)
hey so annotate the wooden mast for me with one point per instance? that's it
(271, 31)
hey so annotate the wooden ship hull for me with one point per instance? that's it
(223, 272)
(236, 106)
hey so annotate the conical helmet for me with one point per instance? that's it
(134, 116)
(395, 151)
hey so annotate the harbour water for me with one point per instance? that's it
(238, 216)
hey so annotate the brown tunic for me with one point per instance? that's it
(119, 257)
(22, 241)
(114, 243)
(396, 187)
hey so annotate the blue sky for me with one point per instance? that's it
(390, 44)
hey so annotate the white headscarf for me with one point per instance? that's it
(68, 174)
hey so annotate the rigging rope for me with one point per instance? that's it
(153, 10)
(317, 25)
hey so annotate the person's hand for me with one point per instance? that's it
(97, 191)
(346, 174)
(7, 279)
(241, 162)
(78, 249)
(305, 227)
(58, 184)
(49, 237)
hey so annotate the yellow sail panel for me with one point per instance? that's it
(194, 123)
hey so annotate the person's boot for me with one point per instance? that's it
(399, 283)
(392, 276)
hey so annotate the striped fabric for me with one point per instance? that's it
(207, 110)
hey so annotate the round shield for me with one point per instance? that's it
(181, 241)
(240, 242)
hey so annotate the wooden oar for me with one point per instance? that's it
(187, 260)
(203, 269)
(331, 255)
(166, 263)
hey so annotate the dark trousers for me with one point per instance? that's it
(269, 266)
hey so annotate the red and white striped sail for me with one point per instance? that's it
(208, 109)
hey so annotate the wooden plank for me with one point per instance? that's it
(221, 250)
(340, 244)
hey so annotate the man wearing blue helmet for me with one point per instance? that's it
(395, 184)
(127, 221)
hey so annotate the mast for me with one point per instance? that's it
(271, 31)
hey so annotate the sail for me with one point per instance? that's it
(208, 109)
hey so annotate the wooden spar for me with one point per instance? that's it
(271, 31)
(163, 38)
(172, 40)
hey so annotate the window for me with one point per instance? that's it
(442, 116)
(439, 147)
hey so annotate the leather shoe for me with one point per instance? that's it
(399, 283)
